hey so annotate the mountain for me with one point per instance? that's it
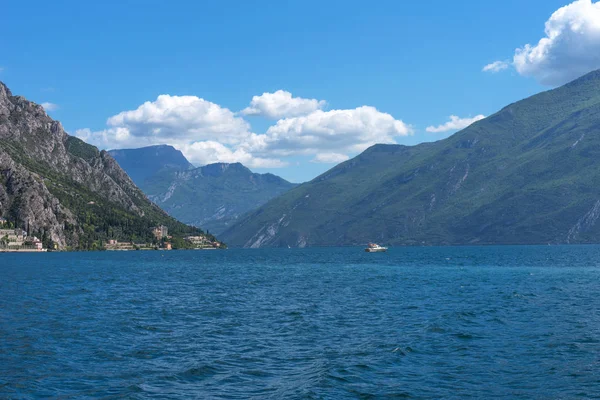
(145, 162)
(65, 190)
(528, 174)
(213, 196)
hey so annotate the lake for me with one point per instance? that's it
(454, 322)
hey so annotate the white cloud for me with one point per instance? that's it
(1, 69)
(49, 106)
(335, 130)
(570, 48)
(281, 104)
(112, 138)
(202, 130)
(208, 152)
(496, 66)
(455, 123)
(330, 158)
(206, 132)
(197, 152)
(182, 118)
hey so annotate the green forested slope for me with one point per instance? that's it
(213, 196)
(65, 190)
(527, 174)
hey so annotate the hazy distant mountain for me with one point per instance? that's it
(65, 190)
(527, 174)
(145, 162)
(211, 197)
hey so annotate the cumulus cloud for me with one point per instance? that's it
(181, 121)
(570, 48)
(281, 104)
(455, 123)
(206, 132)
(170, 119)
(182, 117)
(334, 130)
(112, 138)
(208, 152)
(330, 158)
(496, 66)
(197, 152)
(49, 106)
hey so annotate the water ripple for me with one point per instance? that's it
(495, 322)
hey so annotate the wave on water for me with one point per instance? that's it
(511, 322)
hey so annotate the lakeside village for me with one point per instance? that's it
(17, 240)
(161, 233)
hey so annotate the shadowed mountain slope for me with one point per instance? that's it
(143, 163)
(65, 190)
(528, 174)
(213, 196)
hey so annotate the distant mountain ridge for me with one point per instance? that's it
(528, 174)
(65, 190)
(213, 196)
(142, 163)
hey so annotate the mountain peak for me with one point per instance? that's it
(4, 95)
(146, 161)
(4, 91)
(218, 169)
(64, 190)
(213, 196)
(524, 175)
(593, 75)
(165, 148)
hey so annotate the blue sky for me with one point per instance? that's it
(412, 64)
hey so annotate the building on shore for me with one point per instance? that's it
(160, 232)
(202, 242)
(15, 235)
(17, 240)
(197, 240)
(116, 245)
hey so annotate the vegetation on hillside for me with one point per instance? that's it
(212, 197)
(98, 220)
(527, 174)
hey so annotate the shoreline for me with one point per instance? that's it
(23, 251)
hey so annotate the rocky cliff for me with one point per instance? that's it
(62, 188)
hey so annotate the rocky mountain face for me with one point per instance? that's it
(529, 174)
(58, 186)
(213, 196)
(145, 162)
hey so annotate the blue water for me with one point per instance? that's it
(487, 322)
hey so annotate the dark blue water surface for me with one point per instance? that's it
(486, 322)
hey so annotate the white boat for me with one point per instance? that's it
(375, 248)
